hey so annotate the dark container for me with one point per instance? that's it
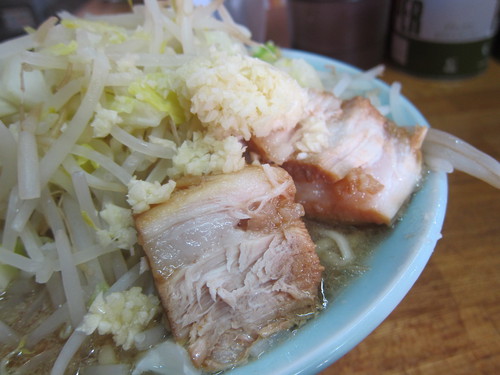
(443, 38)
(353, 31)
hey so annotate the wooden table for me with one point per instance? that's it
(449, 323)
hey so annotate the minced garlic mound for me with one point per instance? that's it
(121, 314)
(120, 230)
(240, 95)
(206, 154)
(142, 194)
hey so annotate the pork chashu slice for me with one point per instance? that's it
(364, 175)
(232, 262)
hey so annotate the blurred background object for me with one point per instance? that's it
(354, 31)
(359, 32)
(443, 38)
(252, 14)
(496, 47)
(15, 15)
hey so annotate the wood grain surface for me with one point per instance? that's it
(449, 323)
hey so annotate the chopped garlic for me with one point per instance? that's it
(206, 154)
(241, 95)
(104, 120)
(141, 194)
(121, 314)
(120, 231)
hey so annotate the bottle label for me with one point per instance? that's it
(443, 37)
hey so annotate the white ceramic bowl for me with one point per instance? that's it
(393, 268)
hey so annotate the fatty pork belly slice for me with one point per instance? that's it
(366, 174)
(281, 144)
(232, 262)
